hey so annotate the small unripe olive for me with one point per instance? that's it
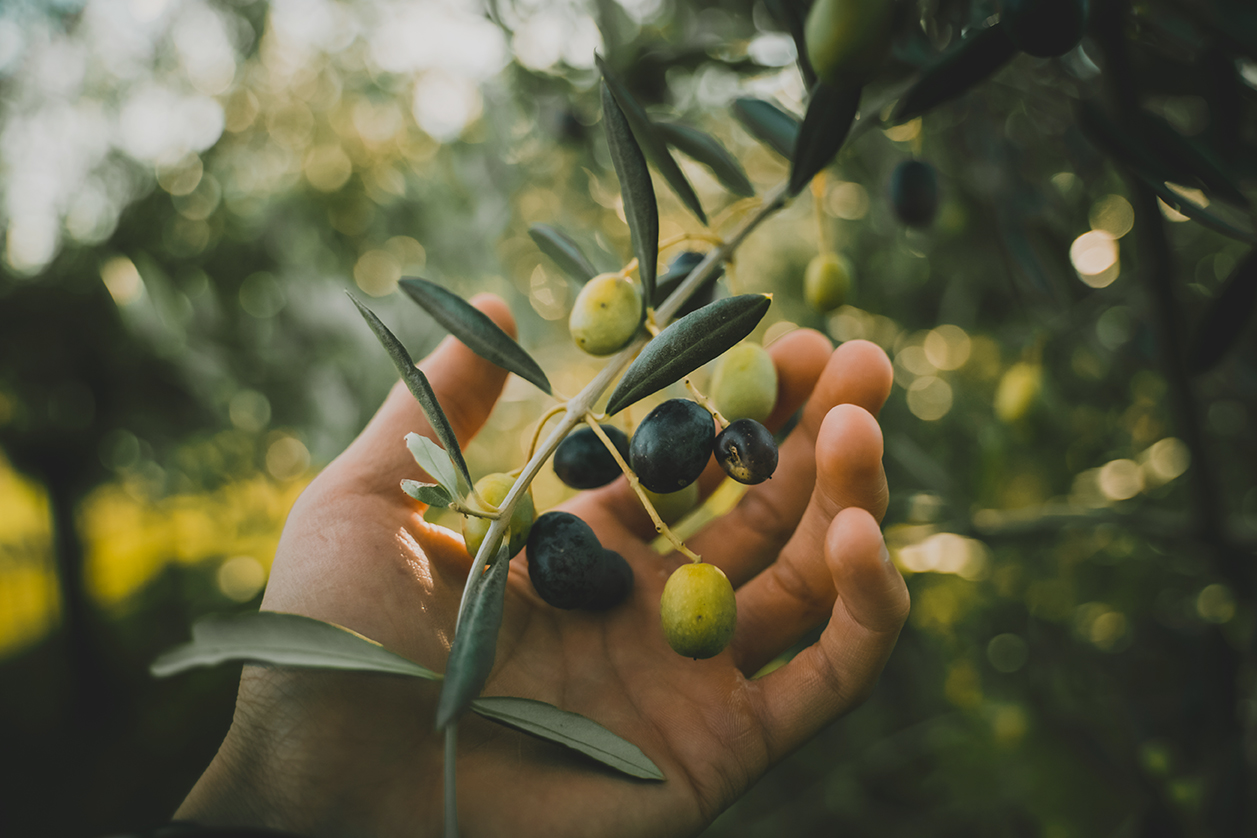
(847, 40)
(1018, 390)
(569, 567)
(744, 383)
(606, 314)
(673, 506)
(827, 281)
(1044, 28)
(698, 610)
(583, 462)
(914, 193)
(672, 445)
(747, 451)
(494, 488)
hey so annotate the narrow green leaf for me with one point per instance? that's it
(640, 207)
(475, 642)
(419, 387)
(830, 114)
(275, 639)
(707, 150)
(650, 141)
(1190, 159)
(1226, 317)
(687, 344)
(474, 328)
(968, 63)
(1133, 154)
(565, 252)
(545, 721)
(435, 460)
(430, 493)
(769, 124)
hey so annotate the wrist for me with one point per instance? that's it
(325, 754)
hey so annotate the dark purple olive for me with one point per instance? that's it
(746, 451)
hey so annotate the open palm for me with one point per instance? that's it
(346, 753)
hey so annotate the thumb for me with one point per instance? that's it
(466, 387)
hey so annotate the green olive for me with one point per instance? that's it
(1018, 391)
(848, 39)
(698, 610)
(827, 281)
(744, 383)
(494, 488)
(673, 506)
(606, 314)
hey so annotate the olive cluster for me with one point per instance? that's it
(667, 452)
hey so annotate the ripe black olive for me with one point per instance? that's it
(746, 451)
(569, 567)
(672, 445)
(583, 462)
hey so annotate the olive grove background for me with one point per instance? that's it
(188, 188)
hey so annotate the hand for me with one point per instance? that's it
(324, 753)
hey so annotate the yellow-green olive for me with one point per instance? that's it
(827, 281)
(848, 39)
(606, 314)
(744, 383)
(494, 488)
(698, 610)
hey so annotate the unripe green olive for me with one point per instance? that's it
(698, 610)
(1018, 390)
(1044, 28)
(827, 281)
(847, 40)
(673, 506)
(606, 314)
(744, 383)
(494, 488)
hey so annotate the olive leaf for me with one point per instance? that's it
(1148, 167)
(688, 344)
(435, 460)
(565, 252)
(277, 639)
(1226, 317)
(1190, 159)
(545, 721)
(419, 387)
(474, 328)
(826, 124)
(433, 494)
(973, 60)
(650, 141)
(769, 124)
(640, 207)
(707, 150)
(475, 641)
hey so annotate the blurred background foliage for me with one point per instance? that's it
(190, 186)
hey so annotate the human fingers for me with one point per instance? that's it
(795, 593)
(749, 538)
(800, 358)
(466, 386)
(837, 672)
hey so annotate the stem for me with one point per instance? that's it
(451, 791)
(660, 526)
(532, 448)
(583, 402)
(706, 404)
